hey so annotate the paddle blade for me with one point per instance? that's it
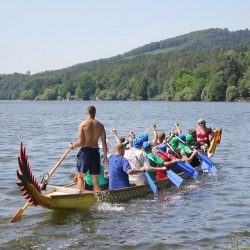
(195, 173)
(205, 158)
(151, 183)
(19, 214)
(204, 166)
(211, 168)
(175, 178)
(188, 169)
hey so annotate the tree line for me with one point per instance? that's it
(209, 65)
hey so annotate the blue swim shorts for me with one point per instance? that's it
(88, 159)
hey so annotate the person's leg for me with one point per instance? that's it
(95, 169)
(80, 181)
(75, 178)
(95, 183)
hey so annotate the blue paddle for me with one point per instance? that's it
(149, 179)
(185, 167)
(210, 168)
(175, 178)
(205, 158)
(210, 165)
(188, 169)
(151, 182)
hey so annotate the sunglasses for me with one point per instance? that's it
(201, 123)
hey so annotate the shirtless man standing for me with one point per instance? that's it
(88, 158)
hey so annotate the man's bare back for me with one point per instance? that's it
(90, 131)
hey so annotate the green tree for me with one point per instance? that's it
(231, 93)
(244, 86)
(27, 95)
(214, 90)
(79, 92)
(50, 94)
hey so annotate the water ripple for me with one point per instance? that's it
(211, 212)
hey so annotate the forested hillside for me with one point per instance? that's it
(207, 65)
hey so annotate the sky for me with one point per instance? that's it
(41, 35)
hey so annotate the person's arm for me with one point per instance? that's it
(104, 145)
(169, 137)
(177, 127)
(154, 141)
(191, 157)
(162, 168)
(118, 141)
(136, 171)
(157, 159)
(168, 164)
(143, 169)
(81, 138)
(130, 171)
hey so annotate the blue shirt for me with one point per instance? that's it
(118, 168)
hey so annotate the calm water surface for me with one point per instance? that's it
(211, 212)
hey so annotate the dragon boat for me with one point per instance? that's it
(69, 197)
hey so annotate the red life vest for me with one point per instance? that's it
(160, 175)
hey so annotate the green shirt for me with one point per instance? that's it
(154, 160)
(185, 148)
(101, 179)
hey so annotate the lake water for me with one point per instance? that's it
(212, 212)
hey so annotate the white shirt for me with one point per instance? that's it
(137, 159)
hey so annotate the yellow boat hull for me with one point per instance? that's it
(85, 200)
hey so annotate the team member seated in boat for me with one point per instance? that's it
(157, 163)
(187, 153)
(137, 159)
(174, 143)
(161, 151)
(203, 134)
(88, 158)
(119, 168)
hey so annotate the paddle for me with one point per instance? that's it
(175, 178)
(26, 205)
(185, 167)
(151, 182)
(149, 179)
(148, 129)
(205, 166)
(210, 165)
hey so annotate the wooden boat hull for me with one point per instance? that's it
(54, 199)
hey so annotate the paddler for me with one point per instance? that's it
(88, 158)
